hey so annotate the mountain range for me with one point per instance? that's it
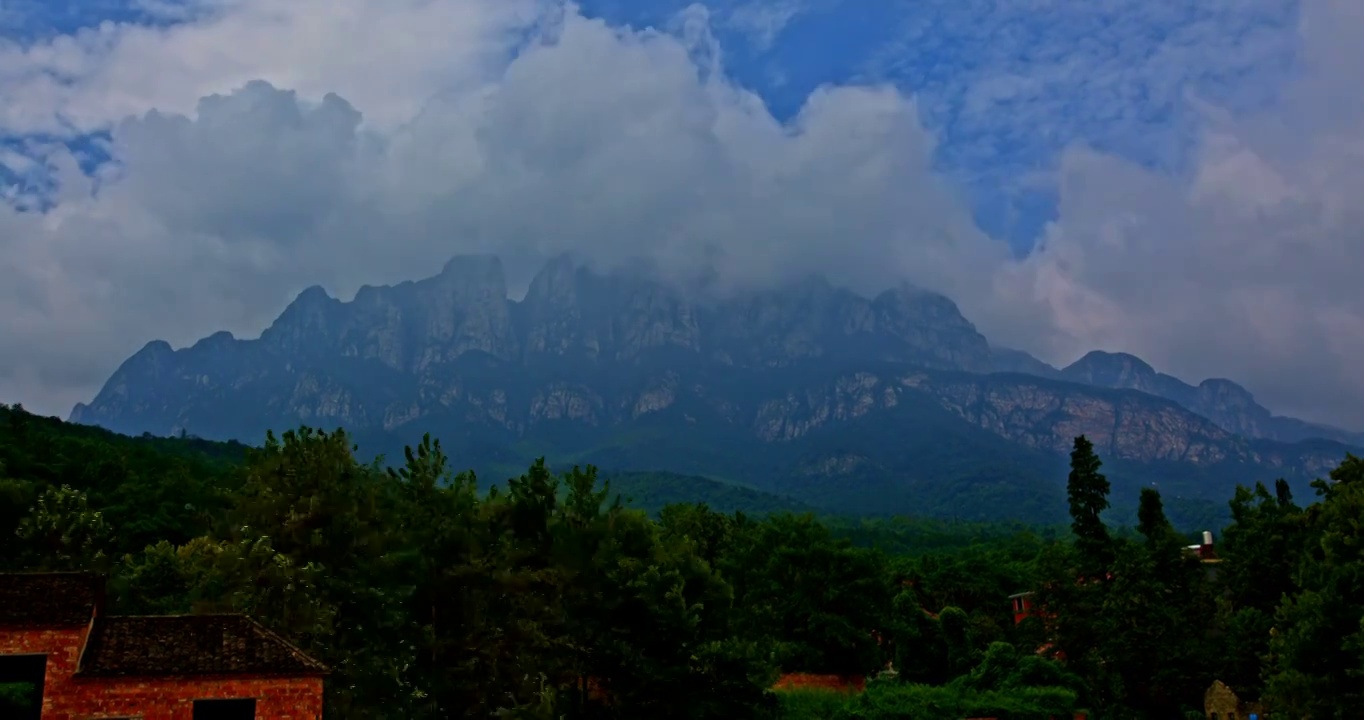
(888, 404)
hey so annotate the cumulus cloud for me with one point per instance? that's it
(354, 141)
(606, 142)
(1011, 83)
(1246, 268)
(387, 56)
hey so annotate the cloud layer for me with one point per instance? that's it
(1248, 266)
(1011, 84)
(355, 141)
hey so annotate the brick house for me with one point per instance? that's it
(1221, 703)
(1024, 606)
(86, 665)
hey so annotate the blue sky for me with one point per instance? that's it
(1113, 75)
(1175, 179)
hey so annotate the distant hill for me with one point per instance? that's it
(651, 492)
(96, 460)
(889, 404)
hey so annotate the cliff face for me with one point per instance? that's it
(620, 368)
(1224, 402)
(456, 339)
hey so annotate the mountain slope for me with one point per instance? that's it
(1224, 402)
(858, 404)
(652, 491)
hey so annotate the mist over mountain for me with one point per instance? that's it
(891, 403)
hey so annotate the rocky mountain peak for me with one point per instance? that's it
(933, 327)
(309, 303)
(1124, 371)
(554, 318)
(1227, 392)
(906, 304)
(312, 296)
(1226, 403)
(556, 282)
(1009, 360)
(147, 367)
(1109, 369)
(464, 308)
(311, 315)
(154, 350)
(216, 341)
(428, 332)
(151, 359)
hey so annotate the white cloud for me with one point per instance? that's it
(607, 142)
(763, 20)
(387, 56)
(1011, 83)
(615, 143)
(1248, 268)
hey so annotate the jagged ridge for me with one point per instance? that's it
(621, 365)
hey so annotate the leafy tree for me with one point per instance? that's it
(1154, 620)
(248, 576)
(440, 563)
(921, 654)
(16, 499)
(1261, 551)
(1003, 667)
(953, 702)
(956, 631)
(62, 532)
(551, 599)
(1315, 662)
(821, 599)
(710, 533)
(973, 579)
(306, 496)
(155, 581)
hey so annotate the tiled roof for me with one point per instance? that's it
(65, 599)
(190, 645)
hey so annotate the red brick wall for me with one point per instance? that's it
(63, 649)
(73, 698)
(808, 681)
(173, 698)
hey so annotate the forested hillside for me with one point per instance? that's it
(548, 597)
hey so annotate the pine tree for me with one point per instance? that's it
(1151, 520)
(1087, 491)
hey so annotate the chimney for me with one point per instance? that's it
(1207, 538)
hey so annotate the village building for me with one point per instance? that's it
(1025, 603)
(1206, 554)
(1221, 703)
(85, 665)
(1023, 606)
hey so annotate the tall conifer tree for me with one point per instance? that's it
(1087, 490)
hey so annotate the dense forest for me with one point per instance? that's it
(549, 597)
